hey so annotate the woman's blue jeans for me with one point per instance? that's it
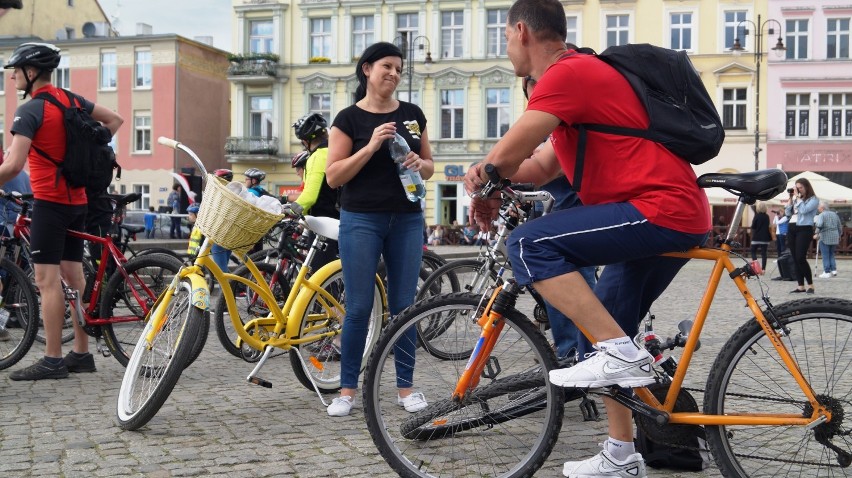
(364, 237)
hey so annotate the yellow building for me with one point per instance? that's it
(57, 20)
(298, 57)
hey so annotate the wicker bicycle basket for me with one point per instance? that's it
(230, 221)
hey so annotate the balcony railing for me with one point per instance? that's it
(253, 67)
(240, 145)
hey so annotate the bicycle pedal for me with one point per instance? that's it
(260, 381)
(589, 410)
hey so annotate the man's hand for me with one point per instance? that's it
(292, 209)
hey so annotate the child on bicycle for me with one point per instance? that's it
(640, 201)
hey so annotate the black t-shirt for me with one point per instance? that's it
(376, 187)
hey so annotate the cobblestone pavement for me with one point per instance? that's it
(216, 424)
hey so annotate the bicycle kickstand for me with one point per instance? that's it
(309, 375)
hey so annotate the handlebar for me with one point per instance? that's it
(170, 143)
(517, 192)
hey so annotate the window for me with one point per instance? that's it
(143, 68)
(70, 3)
(452, 27)
(732, 20)
(495, 40)
(407, 25)
(617, 30)
(142, 132)
(260, 36)
(145, 200)
(260, 117)
(497, 107)
(573, 31)
(321, 37)
(837, 43)
(70, 33)
(402, 95)
(798, 112)
(362, 34)
(734, 108)
(109, 70)
(830, 117)
(452, 113)
(797, 39)
(62, 73)
(321, 103)
(681, 31)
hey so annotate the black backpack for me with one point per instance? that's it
(89, 160)
(681, 115)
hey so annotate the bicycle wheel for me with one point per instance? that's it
(466, 275)
(505, 427)
(432, 260)
(159, 250)
(322, 357)
(249, 306)
(748, 377)
(126, 302)
(67, 326)
(19, 317)
(154, 369)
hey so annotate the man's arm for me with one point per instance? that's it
(16, 158)
(107, 117)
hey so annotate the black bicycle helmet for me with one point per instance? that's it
(42, 56)
(308, 127)
(301, 159)
(255, 173)
(225, 174)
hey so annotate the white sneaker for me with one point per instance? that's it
(604, 465)
(341, 406)
(825, 275)
(834, 273)
(605, 368)
(412, 403)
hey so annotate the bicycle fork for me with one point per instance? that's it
(502, 300)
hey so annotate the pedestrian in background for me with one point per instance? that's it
(760, 235)
(828, 228)
(174, 203)
(802, 208)
(780, 224)
(150, 220)
(376, 218)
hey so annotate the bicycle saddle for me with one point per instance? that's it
(755, 185)
(324, 226)
(122, 199)
(132, 229)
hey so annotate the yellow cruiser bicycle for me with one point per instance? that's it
(306, 324)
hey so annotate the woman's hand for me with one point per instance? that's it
(382, 133)
(413, 161)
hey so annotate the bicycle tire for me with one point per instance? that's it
(322, 358)
(158, 250)
(21, 302)
(249, 306)
(432, 260)
(153, 371)
(67, 326)
(514, 415)
(748, 376)
(465, 275)
(153, 271)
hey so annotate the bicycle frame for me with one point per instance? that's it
(491, 323)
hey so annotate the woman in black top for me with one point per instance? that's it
(760, 235)
(376, 218)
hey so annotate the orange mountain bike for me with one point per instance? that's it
(775, 400)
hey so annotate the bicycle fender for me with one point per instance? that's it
(200, 296)
(306, 294)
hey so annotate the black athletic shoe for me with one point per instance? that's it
(39, 371)
(80, 363)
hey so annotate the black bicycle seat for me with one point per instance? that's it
(123, 199)
(132, 229)
(757, 185)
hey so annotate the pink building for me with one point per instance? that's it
(810, 92)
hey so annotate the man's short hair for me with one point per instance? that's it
(545, 18)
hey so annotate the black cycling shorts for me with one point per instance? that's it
(48, 242)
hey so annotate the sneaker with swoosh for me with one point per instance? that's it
(606, 367)
(604, 465)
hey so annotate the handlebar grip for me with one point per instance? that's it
(168, 142)
(491, 172)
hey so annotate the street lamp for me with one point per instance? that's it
(758, 55)
(408, 45)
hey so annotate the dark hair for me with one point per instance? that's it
(809, 190)
(545, 18)
(372, 53)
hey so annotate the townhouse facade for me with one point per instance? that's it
(810, 92)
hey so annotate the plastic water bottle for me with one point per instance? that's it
(415, 190)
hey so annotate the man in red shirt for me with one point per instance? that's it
(639, 200)
(57, 207)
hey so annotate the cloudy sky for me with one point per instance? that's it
(188, 18)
